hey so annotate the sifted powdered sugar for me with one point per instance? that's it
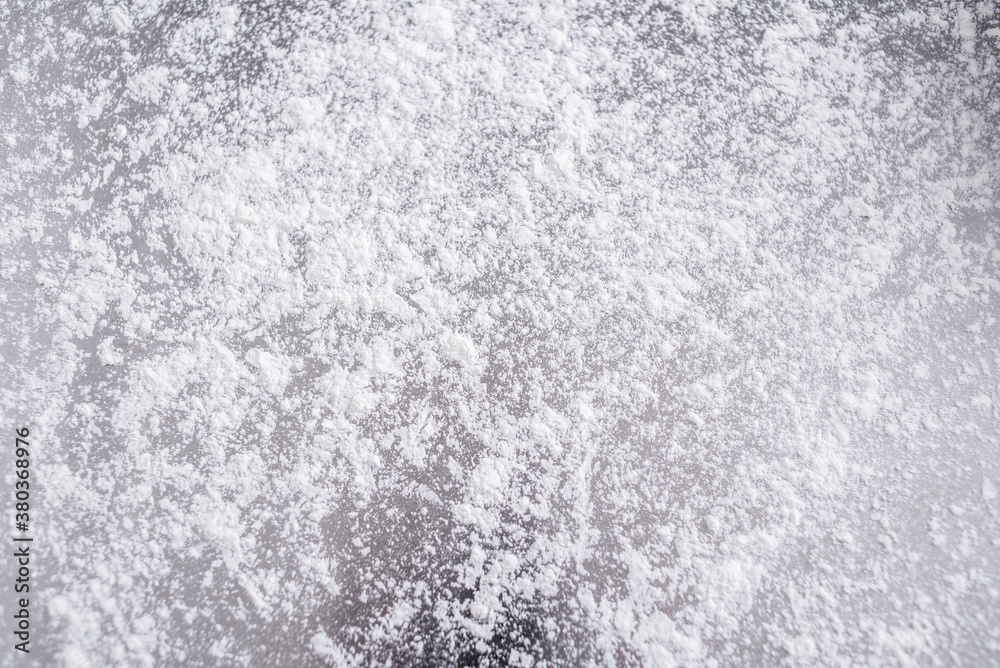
(506, 334)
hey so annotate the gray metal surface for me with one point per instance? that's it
(341, 345)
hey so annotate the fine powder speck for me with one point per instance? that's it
(505, 334)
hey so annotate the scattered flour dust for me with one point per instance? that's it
(531, 334)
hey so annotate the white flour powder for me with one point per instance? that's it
(552, 334)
